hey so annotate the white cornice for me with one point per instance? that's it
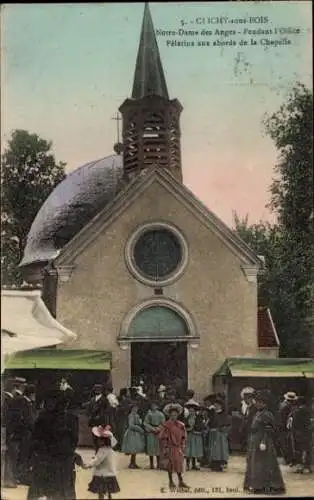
(64, 273)
(251, 273)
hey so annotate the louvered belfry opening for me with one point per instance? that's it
(151, 135)
(151, 127)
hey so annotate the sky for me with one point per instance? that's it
(66, 68)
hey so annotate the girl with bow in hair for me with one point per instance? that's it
(104, 481)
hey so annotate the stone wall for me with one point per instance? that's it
(213, 289)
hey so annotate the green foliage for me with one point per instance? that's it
(287, 283)
(29, 173)
(291, 129)
(264, 238)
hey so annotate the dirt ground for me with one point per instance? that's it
(146, 483)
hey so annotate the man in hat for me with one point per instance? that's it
(285, 408)
(291, 455)
(30, 414)
(161, 394)
(173, 437)
(9, 480)
(301, 428)
(14, 409)
(248, 411)
(97, 409)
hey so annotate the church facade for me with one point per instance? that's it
(136, 265)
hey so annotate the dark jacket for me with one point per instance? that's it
(301, 424)
(30, 414)
(15, 414)
(97, 411)
(219, 421)
(54, 440)
(247, 421)
(199, 424)
(55, 434)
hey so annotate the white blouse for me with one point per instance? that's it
(104, 463)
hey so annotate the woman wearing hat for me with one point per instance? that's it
(152, 424)
(173, 438)
(195, 427)
(54, 440)
(218, 446)
(263, 475)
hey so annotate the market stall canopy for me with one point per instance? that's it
(266, 367)
(26, 322)
(60, 359)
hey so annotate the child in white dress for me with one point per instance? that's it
(104, 481)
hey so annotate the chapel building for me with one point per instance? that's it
(135, 265)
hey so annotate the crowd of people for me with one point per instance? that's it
(175, 431)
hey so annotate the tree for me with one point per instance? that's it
(28, 175)
(287, 284)
(291, 129)
(264, 239)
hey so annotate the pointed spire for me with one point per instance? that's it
(149, 76)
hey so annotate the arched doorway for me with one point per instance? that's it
(159, 347)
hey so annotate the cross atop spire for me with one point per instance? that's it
(149, 78)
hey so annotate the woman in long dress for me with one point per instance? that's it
(218, 445)
(152, 423)
(123, 410)
(195, 426)
(134, 437)
(54, 440)
(263, 475)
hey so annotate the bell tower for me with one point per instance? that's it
(150, 120)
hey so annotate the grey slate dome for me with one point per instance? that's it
(73, 203)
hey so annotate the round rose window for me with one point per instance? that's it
(157, 253)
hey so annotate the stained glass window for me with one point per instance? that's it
(157, 253)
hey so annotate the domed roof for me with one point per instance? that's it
(73, 203)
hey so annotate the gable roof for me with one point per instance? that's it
(266, 331)
(131, 193)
